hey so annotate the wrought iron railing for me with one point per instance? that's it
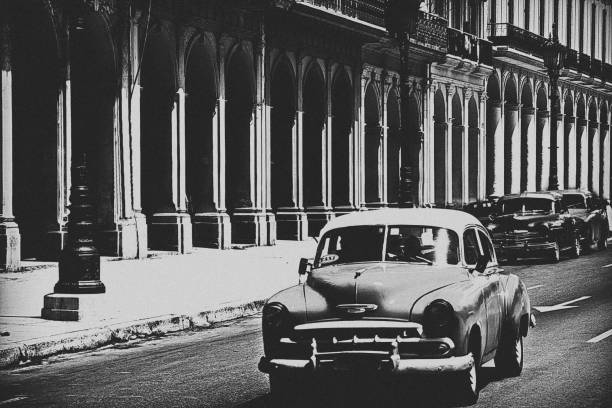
(431, 31)
(369, 11)
(515, 37)
(469, 46)
(584, 63)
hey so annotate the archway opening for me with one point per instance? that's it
(527, 139)
(372, 146)
(439, 170)
(394, 159)
(511, 144)
(604, 151)
(342, 125)
(36, 73)
(473, 150)
(239, 131)
(457, 150)
(542, 148)
(282, 133)
(581, 145)
(314, 126)
(570, 137)
(593, 148)
(200, 104)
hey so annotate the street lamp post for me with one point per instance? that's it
(401, 22)
(554, 56)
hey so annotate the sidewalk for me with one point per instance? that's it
(164, 293)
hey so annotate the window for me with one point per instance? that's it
(456, 14)
(528, 204)
(493, 13)
(603, 36)
(470, 246)
(351, 244)
(568, 39)
(511, 11)
(581, 34)
(527, 14)
(422, 244)
(541, 17)
(487, 247)
(593, 20)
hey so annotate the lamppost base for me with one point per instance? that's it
(80, 287)
(72, 307)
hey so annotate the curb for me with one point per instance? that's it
(89, 339)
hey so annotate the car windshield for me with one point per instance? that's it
(523, 205)
(573, 201)
(401, 243)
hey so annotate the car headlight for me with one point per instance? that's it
(274, 321)
(439, 319)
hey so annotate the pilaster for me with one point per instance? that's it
(570, 130)
(528, 114)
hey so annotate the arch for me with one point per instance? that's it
(493, 124)
(158, 80)
(315, 110)
(593, 147)
(282, 132)
(542, 139)
(473, 149)
(512, 138)
(527, 152)
(35, 67)
(604, 151)
(569, 141)
(373, 138)
(203, 44)
(239, 130)
(394, 161)
(581, 142)
(440, 129)
(457, 150)
(200, 105)
(342, 127)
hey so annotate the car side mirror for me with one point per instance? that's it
(304, 266)
(481, 263)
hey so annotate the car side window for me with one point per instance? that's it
(470, 246)
(487, 247)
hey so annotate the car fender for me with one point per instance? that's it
(517, 304)
(293, 299)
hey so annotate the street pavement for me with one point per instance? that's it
(567, 360)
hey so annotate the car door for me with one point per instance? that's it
(493, 291)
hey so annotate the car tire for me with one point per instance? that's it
(602, 243)
(509, 356)
(284, 391)
(467, 388)
(555, 255)
(576, 250)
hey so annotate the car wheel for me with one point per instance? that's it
(284, 390)
(577, 248)
(602, 243)
(509, 356)
(467, 387)
(555, 255)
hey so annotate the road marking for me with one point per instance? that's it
(560, 306)
(600, 337)
(535, 287)
(607, 266)
(8, 401)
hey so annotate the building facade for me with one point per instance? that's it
(218, 122)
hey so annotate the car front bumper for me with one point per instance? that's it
(392, 365)
(526, 248)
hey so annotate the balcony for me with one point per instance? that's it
(468, 46)
(431, 32)
(369, 11)
(515, 37)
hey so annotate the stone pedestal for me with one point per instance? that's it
(72, 307)
(212, 230)
(291, 223)
(317, 218)
(170, 232)
(271, 228)
(10, 245)
(249, 227)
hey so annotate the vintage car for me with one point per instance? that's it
(537, 224)
(485, 211)
(590, 211)
(397, 291)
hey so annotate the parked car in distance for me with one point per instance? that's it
(484, 211)
(392, 292)
(592, 216)
(535, 223)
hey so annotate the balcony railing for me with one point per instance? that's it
(469, 46)
(515, 37)
(369, 11)
(431, 31)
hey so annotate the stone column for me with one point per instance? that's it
(543, 119)
(465, 154)
(515, 159)
(448, 147)
(605, 137)
(327, 140)
(10, 240)
(529, 123)
(481, 191)
(497, 166)
(570, 130)
(428, 144)
(594, 163)
(583, 160)
(383, 176)
(361, 144)
(561, 160)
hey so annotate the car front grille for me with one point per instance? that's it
(513, 238)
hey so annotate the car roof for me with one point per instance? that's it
(585, 193)
(455, 220)
(550, 195)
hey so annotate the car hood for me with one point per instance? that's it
(392, 287)
(520, 221)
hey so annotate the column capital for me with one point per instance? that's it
(467, 94)
(483, 96)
